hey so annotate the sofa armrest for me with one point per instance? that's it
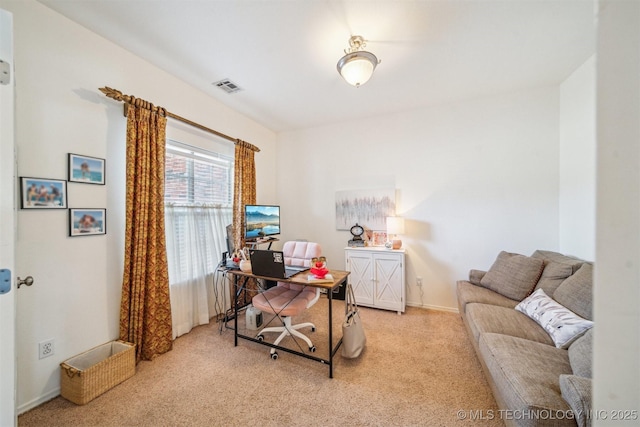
(576, 391)
(475, 276)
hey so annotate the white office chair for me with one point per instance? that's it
(288, 299)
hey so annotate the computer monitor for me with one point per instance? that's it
(261, 221)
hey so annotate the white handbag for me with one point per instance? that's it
(353, 337)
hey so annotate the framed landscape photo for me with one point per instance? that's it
(43, 193)
(85, 169)
(87, 222)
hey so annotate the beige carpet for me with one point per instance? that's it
(418, 369)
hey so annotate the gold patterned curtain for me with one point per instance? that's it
(244, 187)
(145, 310)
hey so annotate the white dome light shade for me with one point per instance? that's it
(357, 67)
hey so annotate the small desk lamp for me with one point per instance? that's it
(395, 226)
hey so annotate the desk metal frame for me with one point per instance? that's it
(339, 277)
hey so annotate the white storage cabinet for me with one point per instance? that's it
(377, 277)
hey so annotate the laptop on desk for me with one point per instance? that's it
(271, 264)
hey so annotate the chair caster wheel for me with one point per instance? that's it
(274, 356)
(312, 349)
(260, 337)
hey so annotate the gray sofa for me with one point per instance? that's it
(530, 321)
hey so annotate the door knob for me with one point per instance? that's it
(26, 281)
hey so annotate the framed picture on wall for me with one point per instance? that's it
(87, 222)
(86, 169)
(43, 193)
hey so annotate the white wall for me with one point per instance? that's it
(617, 273)
(59, 68)
(578, 162)
(472, 179)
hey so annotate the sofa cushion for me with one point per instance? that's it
(553, 274)
(484, 318)
(575, 292)
(469, 293)
(580, 352)
(576, 391)
(513, 275)
(558, 257)
(525, 374)
(563, 325)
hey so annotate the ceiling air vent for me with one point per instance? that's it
(227, 86)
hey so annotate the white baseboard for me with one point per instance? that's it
(38, 401)
(434, 307)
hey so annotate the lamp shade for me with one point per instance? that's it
(357, 67)
(395, 225)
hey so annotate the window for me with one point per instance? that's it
(194, 176)
(198, 207)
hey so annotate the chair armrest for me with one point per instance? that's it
(315, 298)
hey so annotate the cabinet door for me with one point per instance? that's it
(361, 277)
(389, 282)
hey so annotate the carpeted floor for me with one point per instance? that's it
(419, 369)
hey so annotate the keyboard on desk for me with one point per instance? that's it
(291, 270)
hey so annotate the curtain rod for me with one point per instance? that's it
(127, 99)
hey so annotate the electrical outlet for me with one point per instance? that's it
(46, 348)
(419, 282)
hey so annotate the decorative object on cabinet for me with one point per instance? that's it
(356, 231)
(368, 237)
(395, 226)
(369, 208)
(43, 193)
(86, 169)
(87, 222)
(379, 238)
(377, 277)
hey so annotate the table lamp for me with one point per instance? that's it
(395, 226)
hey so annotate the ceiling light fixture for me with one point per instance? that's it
(357, 66)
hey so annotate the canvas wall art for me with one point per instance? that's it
(369, 208)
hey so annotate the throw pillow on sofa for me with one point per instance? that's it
(562, 324)
(576, 292)
(513, 275)
(557, 268)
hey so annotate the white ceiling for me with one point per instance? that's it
(283, 53)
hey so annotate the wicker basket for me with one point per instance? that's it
(88, 375)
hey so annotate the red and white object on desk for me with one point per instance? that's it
(319, 267)
(242, 259)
